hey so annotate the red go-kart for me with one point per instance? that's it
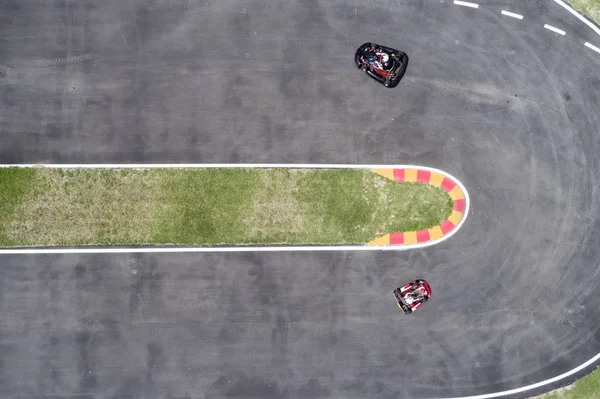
(413, 295)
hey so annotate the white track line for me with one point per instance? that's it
(80, 250)
(533, 386)
(218, 165)
(582, 18)
(596, 49)
(512, 14)
(553, 29)
(466, 4)
(105, 250)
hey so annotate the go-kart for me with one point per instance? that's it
(413, 295)
(384, 64)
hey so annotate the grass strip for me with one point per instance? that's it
(587, 387)
(50, 207)
(590, 8)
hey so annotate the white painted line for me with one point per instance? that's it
(219, 165)
(553, 29)
(533, 386)
(105, 250)
(466, 4)
(596, 49)
(512, 14)
(579, 16)
(100, 250)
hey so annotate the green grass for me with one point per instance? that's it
(590, 8)
(15, 184)
(47, 207)
(587, 387)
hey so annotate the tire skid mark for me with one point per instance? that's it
(35, 122)
(11, 67)
(87, 106)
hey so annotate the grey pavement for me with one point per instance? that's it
(506, 106)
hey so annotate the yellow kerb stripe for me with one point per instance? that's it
(410, 175)
(436, 179)
(435, 233)
(410, 237)
(456, 193)
(455, 217)
(388, 173)
(383, 240)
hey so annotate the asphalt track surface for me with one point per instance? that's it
(506, 106)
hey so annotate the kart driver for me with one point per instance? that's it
(417, 295)
(383, 58)
(379, 59)
(413, 297)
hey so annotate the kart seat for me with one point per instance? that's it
(368, 54)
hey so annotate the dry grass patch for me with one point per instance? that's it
(81, 207)
(275, 214)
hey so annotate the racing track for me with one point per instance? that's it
(506, 106)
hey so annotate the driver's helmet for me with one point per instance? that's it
(385, 58)
(421, 290)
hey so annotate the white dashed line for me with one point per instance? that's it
(466, 4)
(512, 14)
(553, 29)
(596, 49)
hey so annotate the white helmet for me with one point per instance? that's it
(385, 57)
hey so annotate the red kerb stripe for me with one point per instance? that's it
(423, 176)
(446, 226)
(396, 238)
(398, 174)
(422, 235)
(447, 185)
(459, 205)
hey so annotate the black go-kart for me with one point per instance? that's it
(384, 64)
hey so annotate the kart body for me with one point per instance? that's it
(384, 64)
(412, 296)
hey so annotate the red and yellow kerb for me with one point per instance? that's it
(436, 232)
